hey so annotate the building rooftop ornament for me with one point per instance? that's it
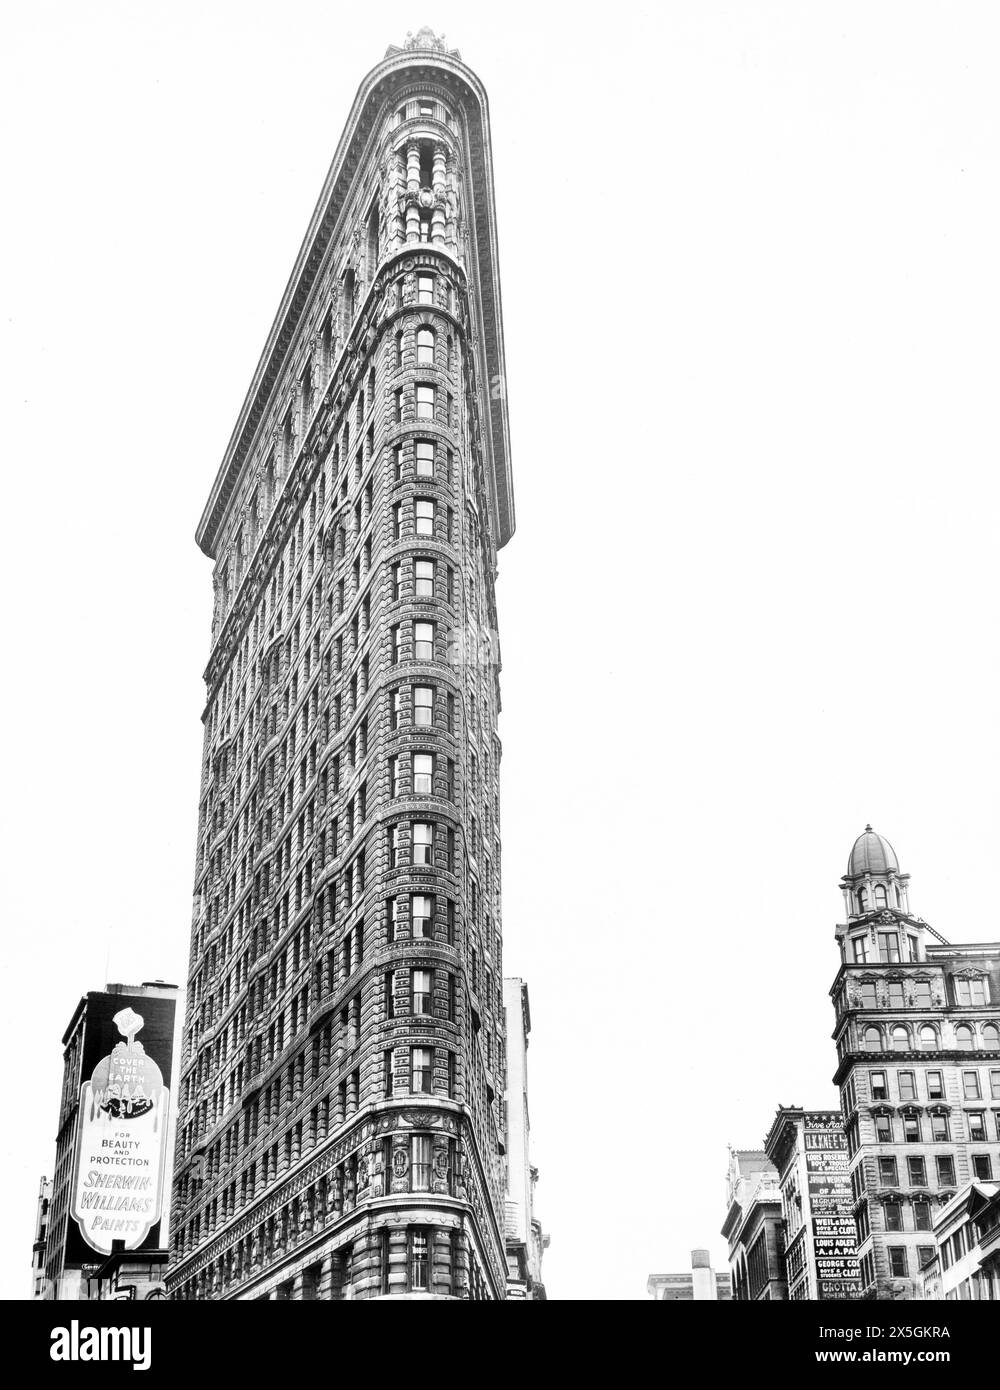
(872, 854)
(424, 40)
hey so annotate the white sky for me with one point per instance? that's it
(751, 295)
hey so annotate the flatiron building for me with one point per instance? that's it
(340, 1128)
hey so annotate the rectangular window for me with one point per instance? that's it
(860, 948)
(424, 516)
(422, 914)
(883, 1129)
(394, 776)
(425, 458)
(895, 994)
(425, 402)
(397, 644)
(879, 1089)
(423, 843)
(916, 1167)
(897, 1261)
(421, 1070)
(424, 577)
(423, 706)
(907, 1085)
(397, 581)
(421, 991)
(423, 774)
(887, 1175)
(925, 1254)
(911, 1129)
(970, 992)
(888, 947)
(423, 641)
(420, 1163)
(945, 1171)
(935, 1085)
(387, 1082)
(977, 1126)
(970, 1085)
(921, 992)
(982, 1167)
(893, 1216)
(869, 996)
(425, 289)
(921, 1216)
(939, 1129)
(418, 1261)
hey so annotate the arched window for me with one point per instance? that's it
(900, 1038)
(873, 1040)
(425, 347)
(964, 1037)
(880, 896)
(991, 1037)
(928, 1037)
(862, 900)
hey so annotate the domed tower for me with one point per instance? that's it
(873, 881)
(876, 898)
(918, 1047)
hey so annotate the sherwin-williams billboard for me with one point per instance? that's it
(121, 1147)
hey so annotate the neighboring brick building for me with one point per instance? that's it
(754, 1228)
(344, 1053)
(809, 1151)
(918, 1043)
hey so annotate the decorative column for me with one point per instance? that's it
(412, 193)
(439, 178)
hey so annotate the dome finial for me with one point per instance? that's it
(868, 828)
